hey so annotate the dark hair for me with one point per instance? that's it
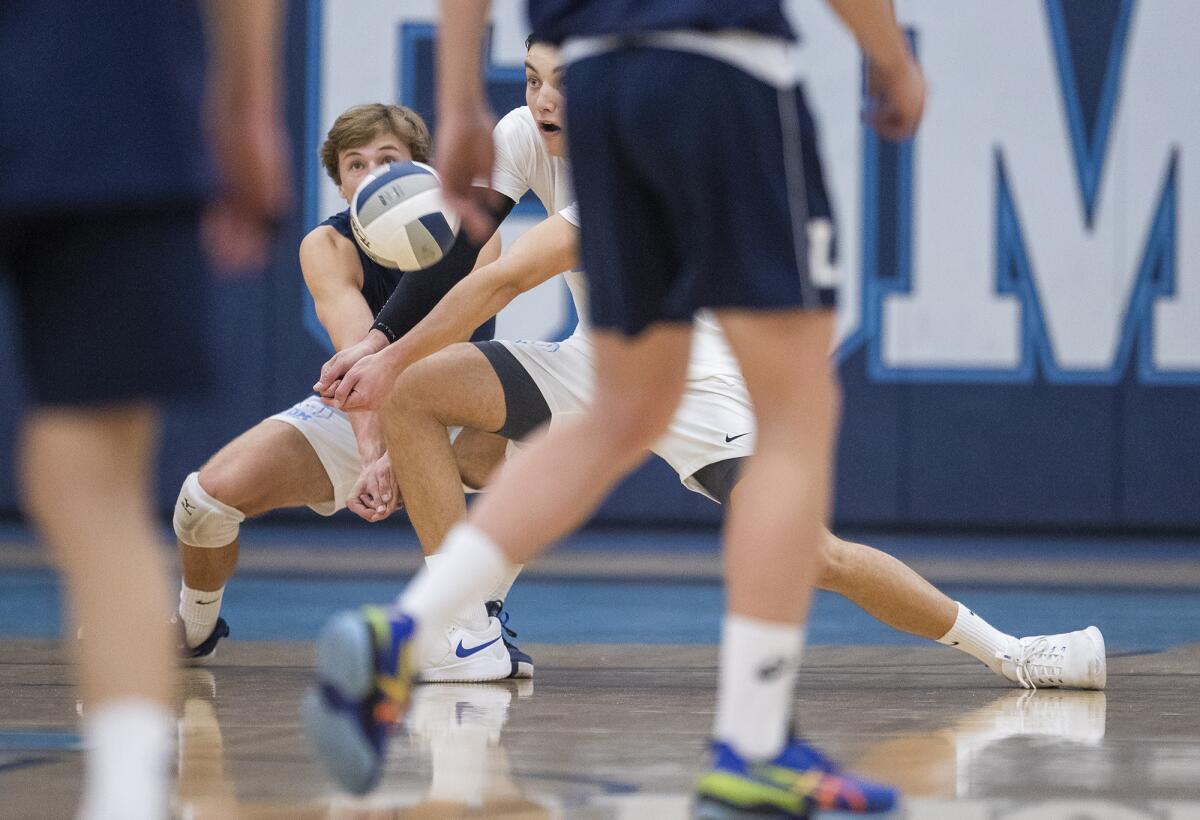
(533, 40)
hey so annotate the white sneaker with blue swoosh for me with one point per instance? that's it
(461, 655)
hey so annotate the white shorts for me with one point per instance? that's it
(714, 421)
(329, 433)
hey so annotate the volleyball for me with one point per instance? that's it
(400, 218)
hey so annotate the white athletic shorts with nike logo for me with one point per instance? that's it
(714, 421)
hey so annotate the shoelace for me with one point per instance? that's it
(496, 610)
(1039, 661)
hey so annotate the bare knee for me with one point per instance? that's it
(835, 556)
(225, 479)
(271, 465)
(410, 398)
(478, 454)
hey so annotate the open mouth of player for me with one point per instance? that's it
(549, 128)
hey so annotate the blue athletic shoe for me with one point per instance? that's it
(202, 653)
(364, 680)
(799, 783)
(522, 664)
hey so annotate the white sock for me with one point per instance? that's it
(759, 661)
(128, 746)
(473, 615)
(457, 580)
(198, 609)
(504, 583)
(978, 638)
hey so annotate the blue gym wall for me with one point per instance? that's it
(1036, 446)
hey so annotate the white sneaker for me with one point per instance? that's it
(1071, 659)
(461, 655)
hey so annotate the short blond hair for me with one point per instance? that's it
(359, 125)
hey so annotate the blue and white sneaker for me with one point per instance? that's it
(203, 652)
(798, 783)
(522, 663)
(364, 681)
(460, 654)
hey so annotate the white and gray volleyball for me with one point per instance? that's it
(400, 218)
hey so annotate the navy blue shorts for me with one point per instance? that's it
(696, 185)
(111, 306)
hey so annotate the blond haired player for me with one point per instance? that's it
(310, 454)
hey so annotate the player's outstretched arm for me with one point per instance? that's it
(333, 274)
(543, 252)
(415, 295)
(418, 292)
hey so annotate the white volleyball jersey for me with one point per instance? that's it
(523, 163)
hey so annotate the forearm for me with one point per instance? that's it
(420, 291)
(246, 41)
(467, 306)
(347, 329)
(368, 435)
(460, 44)
(543, 252)
(873, 23)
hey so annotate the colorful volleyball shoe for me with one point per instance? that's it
(364, 682)
(798, 783)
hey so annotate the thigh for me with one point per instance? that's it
(525, 406)
(113, 306)
(478, 454)
(785, 360)
(270, 466)
(639, 380)
(457, 386)
(554, 381)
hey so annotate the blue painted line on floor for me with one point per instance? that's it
(40, 741)
(292, 530)
(548, 611)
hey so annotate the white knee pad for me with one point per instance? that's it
(201, 520)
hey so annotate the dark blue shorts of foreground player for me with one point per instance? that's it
(111, 304)
(696, 182)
